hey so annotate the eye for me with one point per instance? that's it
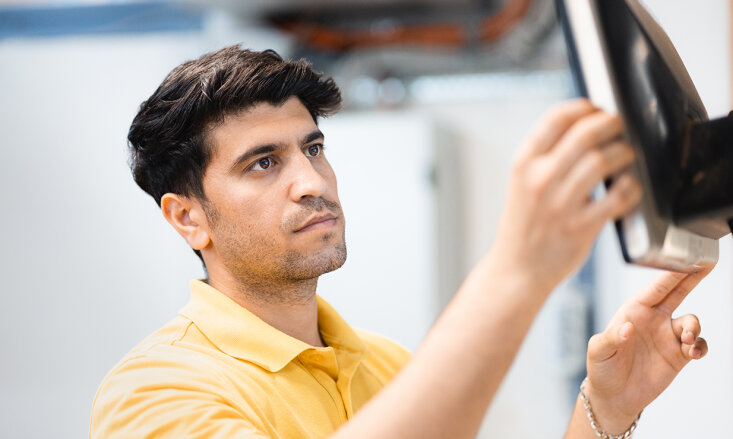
(262, 164)
(314, 150)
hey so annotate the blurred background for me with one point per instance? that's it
(438, 96)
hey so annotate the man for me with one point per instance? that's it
(230, 149)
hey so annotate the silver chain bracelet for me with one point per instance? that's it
(594, 424)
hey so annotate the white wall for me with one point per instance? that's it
(84, 271)
(383, 162)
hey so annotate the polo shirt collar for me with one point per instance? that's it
(241, 334)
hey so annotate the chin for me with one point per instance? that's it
(321, 262)
(338, 258)
(312, 265)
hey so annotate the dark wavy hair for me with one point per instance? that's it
(169, 148)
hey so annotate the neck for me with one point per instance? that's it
(290, 308)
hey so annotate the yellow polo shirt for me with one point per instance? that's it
(218, 371)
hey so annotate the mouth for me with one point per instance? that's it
(319, 222)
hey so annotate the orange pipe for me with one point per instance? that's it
(451, 35)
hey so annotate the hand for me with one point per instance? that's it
(550, 221)
(641, 350)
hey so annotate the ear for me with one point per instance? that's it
(188, 218)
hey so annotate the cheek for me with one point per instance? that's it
(251, 234)
(252, 214)
(260, 217)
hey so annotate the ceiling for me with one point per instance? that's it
(406, 39)
(354, 39)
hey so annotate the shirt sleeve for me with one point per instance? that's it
(149, 398)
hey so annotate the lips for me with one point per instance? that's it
(316, 221)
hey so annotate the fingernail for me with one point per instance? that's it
(695, 353)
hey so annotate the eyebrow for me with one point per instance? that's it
(315, 135)
(270, 148)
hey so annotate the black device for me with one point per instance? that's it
(624, 62)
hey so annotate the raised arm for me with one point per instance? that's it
(548, 226)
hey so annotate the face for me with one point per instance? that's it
(273, 211)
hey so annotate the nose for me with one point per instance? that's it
(306, 180)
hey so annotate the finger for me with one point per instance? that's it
(588, 133)
(655, 292)
(686, 328)
(698, 350)
(679, 292)
(623, 195)
(592, 168)
(554, 124)
(605, 345)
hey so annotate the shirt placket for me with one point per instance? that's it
(323, 366)
(348, 363)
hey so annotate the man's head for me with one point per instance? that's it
(228, 146)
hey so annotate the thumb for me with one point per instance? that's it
(605, 345)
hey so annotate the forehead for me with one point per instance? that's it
(260, 124)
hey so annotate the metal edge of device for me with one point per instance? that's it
(645, 237)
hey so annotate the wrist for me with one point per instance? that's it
(608, 418)
(518, 275)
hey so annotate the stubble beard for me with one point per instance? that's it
(300, 267)
(272, 277)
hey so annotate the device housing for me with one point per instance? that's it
(625, 63)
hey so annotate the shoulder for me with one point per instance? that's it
(171, 371)
(383, 351)
(175, 353)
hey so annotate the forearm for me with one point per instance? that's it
(445, 390)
